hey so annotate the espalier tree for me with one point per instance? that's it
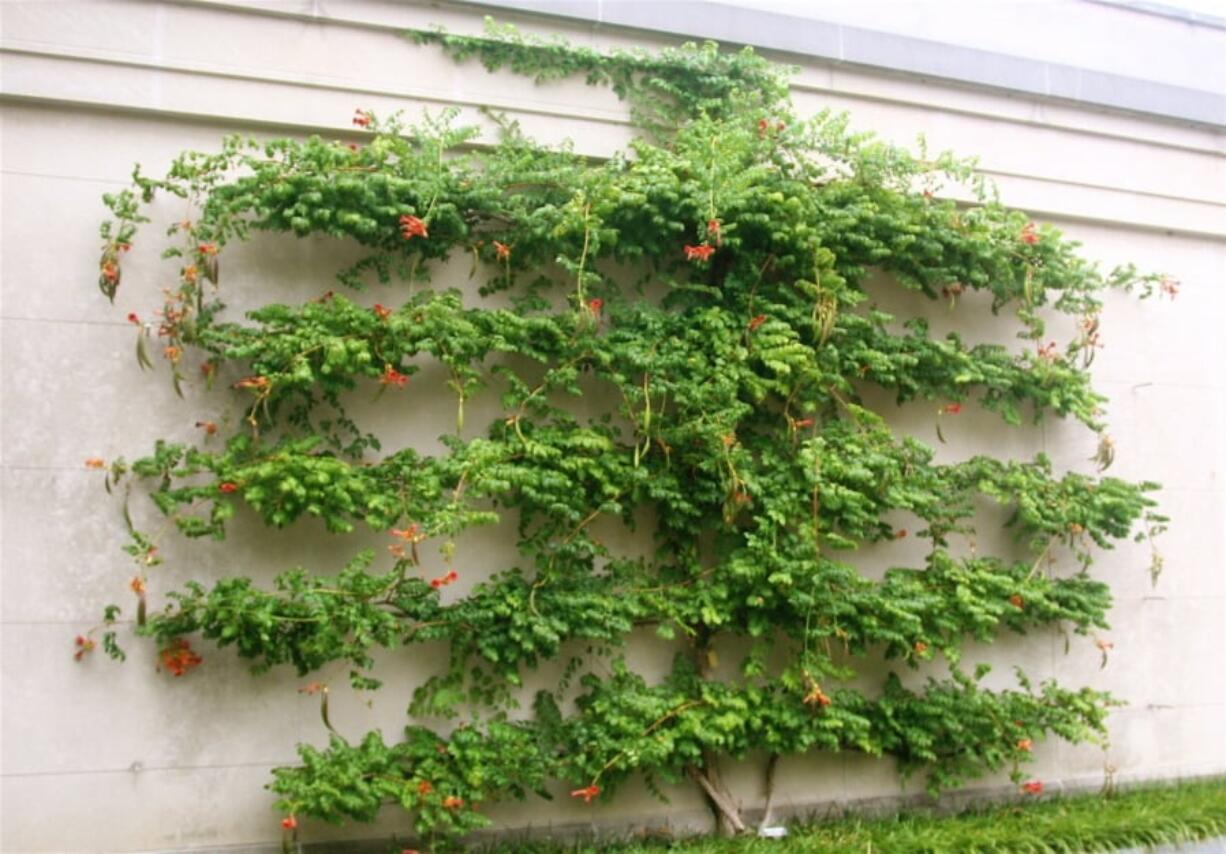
(730, 368)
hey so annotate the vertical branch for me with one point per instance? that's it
(771, 765)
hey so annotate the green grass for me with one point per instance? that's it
(1150, 815)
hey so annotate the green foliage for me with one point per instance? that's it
(1144, 817)
(720, 394)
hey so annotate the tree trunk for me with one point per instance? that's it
(723, 806)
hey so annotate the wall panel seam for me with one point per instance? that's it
(17, 48)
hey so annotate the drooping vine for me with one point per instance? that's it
(704, 294)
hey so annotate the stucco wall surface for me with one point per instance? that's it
(101, 757)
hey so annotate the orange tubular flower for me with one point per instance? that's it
(391, 376)
(1033, 787)
(951, 409)
(227, 487)
(1029, 235)
(754, 323)
(451, 802)
(85, 645)
(179, 657)
(289, 822)
(587, 793)
(701, 252)
(382, 311)
(1016, 601)
(816, 696)
(1025, 744)
(502, 251)
(95, 463)
(411, 226)
(411, 534)
(252, 382)
(362, 119)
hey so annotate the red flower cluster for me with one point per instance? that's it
(444, 580)
(1047, 352)
(1033, 787)
(133, 318)
(1025, 744)
(502, 251)
(209, 427)
(382, 311)
(817, 697)
(137, 585)
(713, 230)
(313, 688)
(391, 376)
(362, 118)
(411, 534)
(587, 793)
(207, 248)
(754, 323)
(701, 252)
(95, 463)
(179, 657)
(920, 647)
(424, 788)
(951, 409)
(289, 822)
(252, 382)
(84, 645)
(1016, 601)
(451, 802)
(595, 305)
(227, 487)
(802, 423)
(764, 126)
(1029, 235)
(411, 226)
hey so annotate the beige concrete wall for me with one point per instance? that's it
(99, 757)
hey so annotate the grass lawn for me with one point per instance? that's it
(1150, 815)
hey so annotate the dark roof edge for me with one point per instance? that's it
(857, 46)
